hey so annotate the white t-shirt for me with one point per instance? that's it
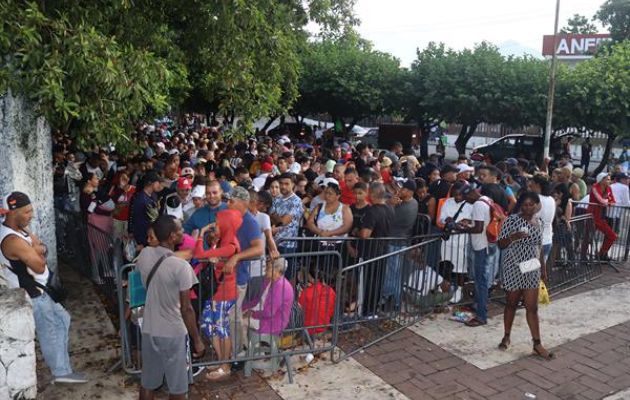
(621, 193)
(424, 280)
(547, 213)
(480, 212)
(450, 208)
(257, 267)
(295, 168)
(259, 181)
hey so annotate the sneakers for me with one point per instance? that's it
(197, 370)
(457, 296)
(74, 377)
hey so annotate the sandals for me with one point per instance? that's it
(475, 322)
(505, 343)
(218, 374)
(544, 354)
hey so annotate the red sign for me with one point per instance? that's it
(573, 46)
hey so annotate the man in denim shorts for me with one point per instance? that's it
(168, 314)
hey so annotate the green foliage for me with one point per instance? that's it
(346, 78)
(92, 68)
(615, 15)
(77, 75)
(599, 91)
(579, 24)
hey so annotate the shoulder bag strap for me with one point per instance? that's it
(155, 267)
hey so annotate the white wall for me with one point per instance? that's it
(26, 165)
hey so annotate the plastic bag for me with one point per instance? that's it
(543, 294)
(129, 249)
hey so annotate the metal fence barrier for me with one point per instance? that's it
(389, 292)
(91, 251)
(298, 320)
(346, 292)
(613, 217)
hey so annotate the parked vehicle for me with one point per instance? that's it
(520, 146)
(406, 134)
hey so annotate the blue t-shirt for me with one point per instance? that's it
(202, 217)
(248, 232)
(225, 186)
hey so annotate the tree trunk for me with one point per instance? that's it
(26, 154)
(605, 158)
(424, 141)
(465, 134)
(352, 124)
(268, 123)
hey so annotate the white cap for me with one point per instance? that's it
(199, 191)
(464, 168)
(601, 176)
(161, 145)
(326, 181)
(176, 212)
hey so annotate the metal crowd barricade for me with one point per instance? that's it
(299, 320)
(573, 259)
(615, 217)
(91, 251)
(390, 292)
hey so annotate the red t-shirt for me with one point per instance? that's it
(347, 195)
(122, 199)
(318, 303)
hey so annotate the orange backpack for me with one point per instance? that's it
(497, 217)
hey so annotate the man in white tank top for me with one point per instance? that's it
(23, 259)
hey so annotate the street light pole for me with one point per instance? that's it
(552, 85)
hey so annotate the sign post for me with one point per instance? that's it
(552, 86)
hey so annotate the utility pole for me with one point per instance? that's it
(552, 85)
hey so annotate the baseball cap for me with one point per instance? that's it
(238, 193)
(448, 168)
(161, 145)
(386, 162)
(621, 175)
(199, 191)
(467, 189)
(14, 201)
(601, 176)
(512, 162)
(266, 167)
(174, 207)
(184, 183)
(188, 171)
(461, 168)
(323, 181)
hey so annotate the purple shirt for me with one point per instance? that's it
(276, 311)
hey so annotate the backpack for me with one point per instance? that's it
(497, 217)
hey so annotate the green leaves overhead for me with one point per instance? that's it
(92, 68)
(346, 79)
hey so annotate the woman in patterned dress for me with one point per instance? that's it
(521, 240)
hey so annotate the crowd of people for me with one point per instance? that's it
(190, 194)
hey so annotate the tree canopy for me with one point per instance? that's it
(615, 15)
(94, 67)
(345, 78)
(579, 24)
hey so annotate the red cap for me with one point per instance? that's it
(184, 183)
(266, 167)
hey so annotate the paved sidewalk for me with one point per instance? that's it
(590, 367)
(405, 366)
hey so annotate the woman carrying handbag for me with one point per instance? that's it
(520, 240)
